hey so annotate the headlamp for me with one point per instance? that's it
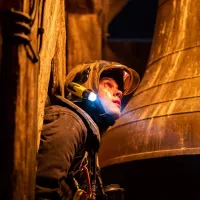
(80, 91)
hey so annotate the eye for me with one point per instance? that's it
(107, 84)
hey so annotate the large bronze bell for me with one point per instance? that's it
(153, 151)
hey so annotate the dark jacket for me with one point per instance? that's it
(62, 145)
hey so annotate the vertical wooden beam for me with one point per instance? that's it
(18, 109)
(53, 48)
(59, 59)
(84, 31)
(24, 88)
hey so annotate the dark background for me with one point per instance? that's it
(136, 21)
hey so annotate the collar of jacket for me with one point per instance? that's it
(98, 114)
(89, 122)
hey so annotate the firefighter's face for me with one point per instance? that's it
(110, 96)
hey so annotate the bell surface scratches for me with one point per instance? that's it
(162, 118)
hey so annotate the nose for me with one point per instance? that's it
(118, 93)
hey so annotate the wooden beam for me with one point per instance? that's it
(18, 107)
(25, 86)
(84, 33)
(52, 55)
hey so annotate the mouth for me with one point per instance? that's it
(117, 102)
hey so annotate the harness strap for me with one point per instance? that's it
(64, 192)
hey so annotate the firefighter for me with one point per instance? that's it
(67, 161)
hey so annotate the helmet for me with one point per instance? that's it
(89, 73)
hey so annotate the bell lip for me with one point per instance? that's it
(147, 155)
(113, 188)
